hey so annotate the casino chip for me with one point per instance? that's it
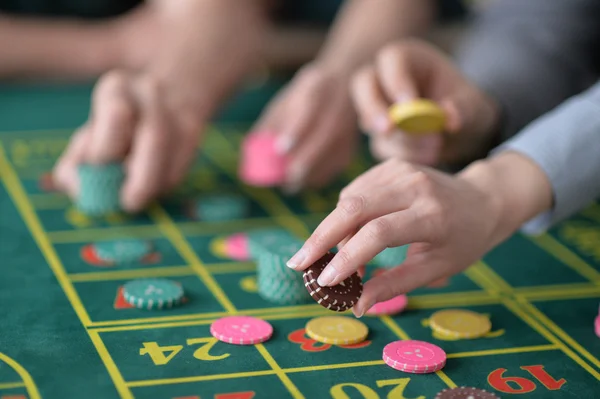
(221, 207)
(99, 189)
(236, 247)
(261, 164)
(264, 240)
(121, 252)
(337, 330)
(391, 257)
(276, 282)
(241, 330)
(390, 307)
(459, 323)
(597, 326)
(153, 293)
(416, 357)
(465, 393)
(338, 298)
(418, 116)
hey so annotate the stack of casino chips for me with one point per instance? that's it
(276, 282)
(99, 189)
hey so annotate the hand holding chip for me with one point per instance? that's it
(130, 122)
(313, 120)
(448, 221)
(410, 70)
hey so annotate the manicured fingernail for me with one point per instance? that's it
(284, 144)
(382, 124)
(297, 259)
(327, 276)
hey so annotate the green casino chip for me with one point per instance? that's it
(391, 257)
(153, 293)
(99, 189)
(122, 252)
(221, 207)
(273, 239)
(276, 282)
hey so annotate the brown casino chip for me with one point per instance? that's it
(465, 393)
(338, 298)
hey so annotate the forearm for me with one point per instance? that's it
(211, 36)
(364, 26)
(531, 58)
(59, 48)
(565, 144)
(517, 187)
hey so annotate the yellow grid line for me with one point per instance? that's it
(561, 334)
(567, 257)
(183, 380)
(21, 202)
(81, 236)
(545, 329)
(28, 382)
(173, 271)
(321, 367)
(546, 333)
(505, 351)
(187, 253)
(294, 391)
(12, 385)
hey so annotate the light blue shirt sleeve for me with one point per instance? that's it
(565, 143)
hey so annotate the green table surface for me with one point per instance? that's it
(64, 332)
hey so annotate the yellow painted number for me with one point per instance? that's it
(157, 353)
(162, 355)
(202, 352)
(339, 391)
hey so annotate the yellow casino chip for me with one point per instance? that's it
(458, 323)
(418, 116)
(337, 330)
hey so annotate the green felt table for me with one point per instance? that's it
(65, 332)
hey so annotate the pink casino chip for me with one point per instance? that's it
(389, 307)
(261, 164)
(414, 356)
(597, 326)
(241, 330)
(236, 247)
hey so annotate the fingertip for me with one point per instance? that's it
(454, 119)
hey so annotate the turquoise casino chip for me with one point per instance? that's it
(391, 257)
(221, 207)
(122, 251)
(270, 240)
(99, 189)
(153, 293)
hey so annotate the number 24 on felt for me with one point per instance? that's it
(162, 355)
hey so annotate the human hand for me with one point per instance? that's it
(449, 222)
(130, 122)
(413, 69)
(313, 119)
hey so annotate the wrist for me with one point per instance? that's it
(516, 189)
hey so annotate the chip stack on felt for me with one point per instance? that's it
(99, 189)
(276, 282)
